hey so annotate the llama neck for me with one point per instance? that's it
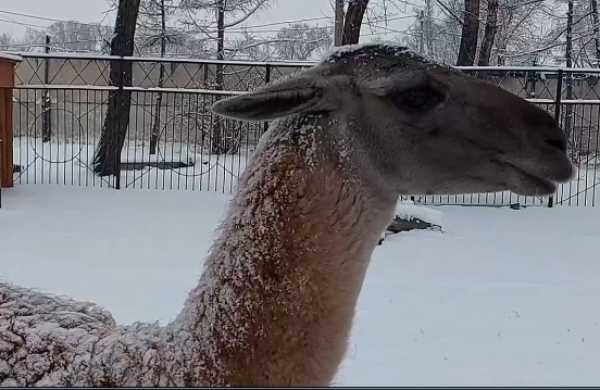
(275, 303)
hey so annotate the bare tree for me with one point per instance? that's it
(351, 15)
(428, 34)
(161, 76)
(437, 31)
(596, 29)
(251, 47)
(6, 41)
(353, 21)
(71, 36)
(470, 30)
(212, 18)
(490, 33)
(108, 154)
(301, 41)
(568, 125)
(339, 22)
(521, 28)
(584, 33)
(153, 32)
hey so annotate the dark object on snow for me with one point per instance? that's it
(403, 225)
(17, 168)
(399, 224)
(133, 166)
(515, 206)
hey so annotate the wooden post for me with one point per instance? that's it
(7, 82)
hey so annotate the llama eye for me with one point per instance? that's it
(418, 99)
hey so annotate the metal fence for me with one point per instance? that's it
(61, 69)
(60, 104)
(182, 160)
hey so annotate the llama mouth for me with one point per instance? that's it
(530, 184)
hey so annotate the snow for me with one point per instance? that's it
(369, 49)
(71, 163)
(408, 210)
(500, 297)
(10, 57)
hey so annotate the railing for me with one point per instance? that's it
(60, 69)
(196, 151)
(69, 69)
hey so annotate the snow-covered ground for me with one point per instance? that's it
(71, 164)
(500, 297)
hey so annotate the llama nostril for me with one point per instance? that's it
(558, 143)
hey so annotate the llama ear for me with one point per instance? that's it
(291, 96)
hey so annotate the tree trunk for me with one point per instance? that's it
(470, 29)
(161, 80)
(353, 21)
(339, 22)
(569, 77)
(421, 32)
(46, 101)
(108, 155)
(428, 28)
(217, 146)
(596, 29)
(569, 37)
(489, 35)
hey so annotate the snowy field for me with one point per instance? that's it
(500, 297)
(71, 164)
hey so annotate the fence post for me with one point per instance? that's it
(205, 77)
(267, 73)
(7, 82)
(557, 102)
(1, 172)
(46, 115)
(267, 81)
(121, 91)
(531, 81)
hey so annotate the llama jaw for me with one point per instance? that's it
(528, 182)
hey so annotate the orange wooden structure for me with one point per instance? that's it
(7, 82)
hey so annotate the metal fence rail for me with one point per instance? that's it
(68, 69)
(61, 69)
(58, 118)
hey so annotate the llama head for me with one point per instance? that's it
(427, 128)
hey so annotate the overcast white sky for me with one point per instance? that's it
(94, 11)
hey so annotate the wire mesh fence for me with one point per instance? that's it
(174, 142)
